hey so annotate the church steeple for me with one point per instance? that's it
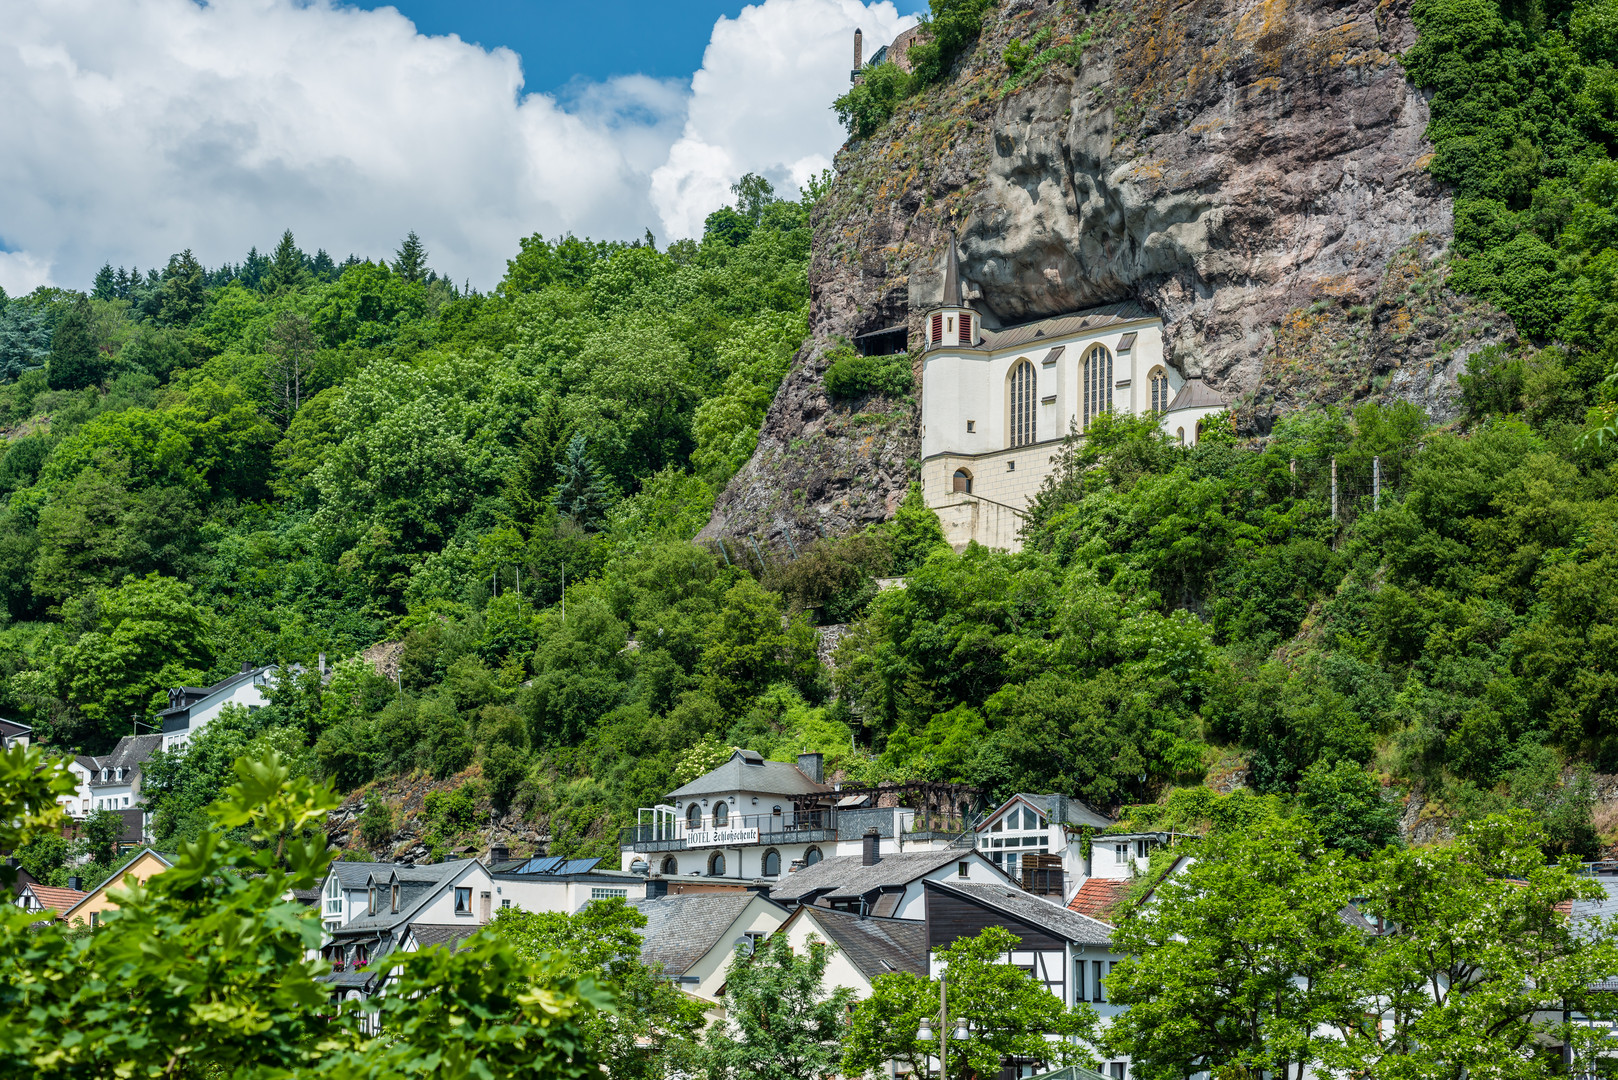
(952, 322)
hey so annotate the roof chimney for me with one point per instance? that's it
(499, 853)
(74, 882)
(859, 55)
(813, 766)
(872, 853)
(246, 667)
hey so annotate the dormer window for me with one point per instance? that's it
(396, 898)
(371, 907)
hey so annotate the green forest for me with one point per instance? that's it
(291, 457)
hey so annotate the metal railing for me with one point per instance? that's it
(802, 826)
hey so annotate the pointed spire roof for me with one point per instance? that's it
(952, 275)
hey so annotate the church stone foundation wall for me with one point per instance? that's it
(990, 514)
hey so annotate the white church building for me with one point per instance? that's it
(996, 404)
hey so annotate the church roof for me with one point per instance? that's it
(1196, 394)
(952, 276)
(1060, 326)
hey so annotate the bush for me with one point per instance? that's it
(376, 823)
(852, 375)
(870, 102)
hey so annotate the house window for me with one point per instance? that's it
(334, 896)
(716, 865)
(1023, 404)
(1012, 858)
(671, 865)
(811, 856)
(963, 869)
(772, 863)
(1120, 853)
(1159, 380)
(463, 901)
(1097, 391)
(693, 817)
(721, 815)
(1142, 848)
(971, 426)
(1180, 434)
(1098, 989)
(95, 919)
(597, 892)
(505, 903)
(966, 329)
(963, 481)
(997, 826)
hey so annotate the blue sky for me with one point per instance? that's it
(164, 125)
(561, 42)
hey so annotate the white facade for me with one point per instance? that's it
(569, 893)
(996, 404)
(193, 707)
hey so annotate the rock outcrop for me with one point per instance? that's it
(1251, 170)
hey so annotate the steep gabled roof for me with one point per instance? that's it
(681, 929)
(1032, 910)
(428, 882)
(116, 878)
(875, 946)
(53, 898)
(355, 875)
(1057, 808)
(846, 876)
(748, 771)
(451, 934)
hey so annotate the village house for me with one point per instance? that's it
(757, 820)
(692, 937)
(192, 707)
(142, 866)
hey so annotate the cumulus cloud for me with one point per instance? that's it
(136, 128)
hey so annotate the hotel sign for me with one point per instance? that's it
(720, 837)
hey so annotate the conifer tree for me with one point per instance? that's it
(580, 494)
(106, 283)
(182, 296)
(286, 270)
(75, 360)
(410, 261)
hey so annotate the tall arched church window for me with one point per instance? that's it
(1159, 380)
(1023, 402)
(963, 481)
(1097, 388)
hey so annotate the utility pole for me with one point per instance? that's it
(564, 591)
(1376, 483)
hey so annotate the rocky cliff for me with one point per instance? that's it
(1251, 170)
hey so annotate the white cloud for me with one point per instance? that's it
(22, 273)
(136, 128)
(762, 101)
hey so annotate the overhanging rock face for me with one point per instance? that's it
(1252, 171)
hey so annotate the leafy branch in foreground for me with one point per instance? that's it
(205, 969)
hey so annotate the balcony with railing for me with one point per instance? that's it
(744, 830)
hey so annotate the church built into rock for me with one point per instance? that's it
(996, 404)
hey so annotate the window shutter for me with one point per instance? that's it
(966, 329)
(938, 326)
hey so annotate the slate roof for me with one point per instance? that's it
(10, 729)
(748, 771)
(354, 875)
(130, 753)
(875, 946)
(187, 697)
(846, 876)
(419, 884)
(1097, 898)
(681, 929)
(1060, 326)
(951, 296)
(52, 898)
(1196, 394)
(440, 934)
(1033, 910)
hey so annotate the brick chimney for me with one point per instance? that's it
(499, 853)
(859, 56)
(872, 850)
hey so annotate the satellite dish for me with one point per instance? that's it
(744, 942)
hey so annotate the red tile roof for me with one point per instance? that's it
(52, 898)
(1097, 897)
